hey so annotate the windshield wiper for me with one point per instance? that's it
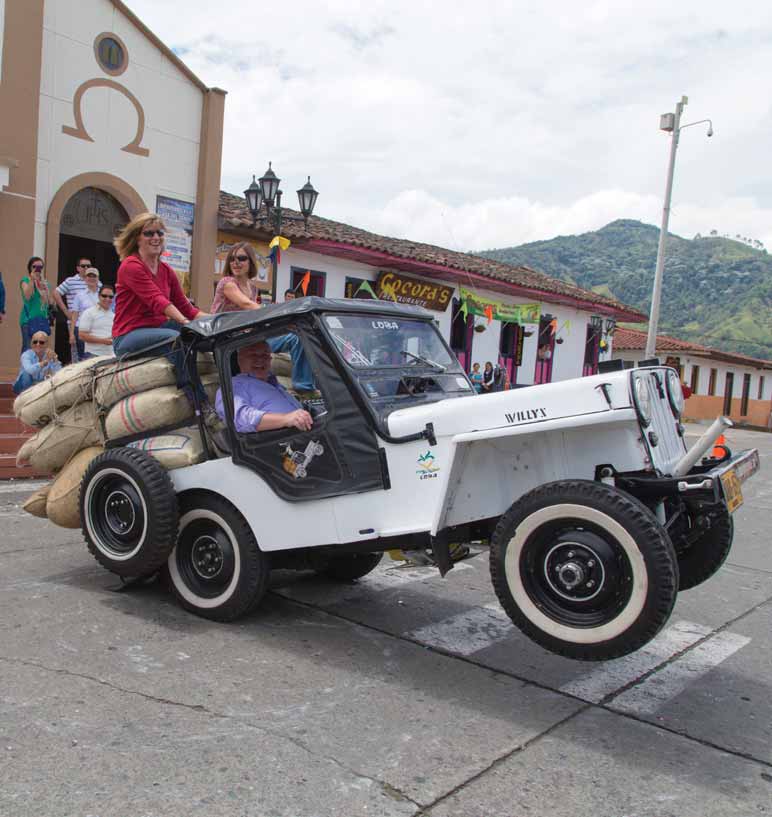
(438, 366)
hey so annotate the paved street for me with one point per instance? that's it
(400, 694)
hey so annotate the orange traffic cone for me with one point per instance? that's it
(718, 448)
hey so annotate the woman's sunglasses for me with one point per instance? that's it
(37, 267)
(39, 342)
(241, 259)
(151, 233)
(107, 296)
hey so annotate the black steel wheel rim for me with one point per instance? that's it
(205, 557)
(577, 574)
(118, 515)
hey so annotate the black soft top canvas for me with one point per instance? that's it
(215, 326)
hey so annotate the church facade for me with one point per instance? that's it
(99, 121)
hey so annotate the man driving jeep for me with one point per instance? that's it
(260, 402)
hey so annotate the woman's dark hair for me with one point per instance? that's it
(251, 255)
(488, 363)
(106, 286)
(32, 261)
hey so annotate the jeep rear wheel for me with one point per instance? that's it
(584, 570)
(128, 512)
(216, 569)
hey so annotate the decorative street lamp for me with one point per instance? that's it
(268, 193)
(670, 123)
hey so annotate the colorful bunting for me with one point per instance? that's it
(489, 313)
(365, 285)
(305, 281)
(511, 313)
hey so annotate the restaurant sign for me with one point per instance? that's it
(511, 313)
(405, 290)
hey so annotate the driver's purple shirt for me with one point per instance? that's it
(252, 398)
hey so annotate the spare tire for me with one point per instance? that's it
(128, 512)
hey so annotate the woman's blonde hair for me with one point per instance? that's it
(127, 242)
(249, 250)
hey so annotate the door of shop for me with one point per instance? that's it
(545, 350)
(461, 335)
(90, 221)
(728, 389)
(511, 350)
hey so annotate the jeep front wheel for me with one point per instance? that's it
(584, 570)
(216, 569)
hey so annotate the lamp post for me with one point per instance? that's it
(266, 192)
(670, 123)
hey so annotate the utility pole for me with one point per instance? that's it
(667, 122)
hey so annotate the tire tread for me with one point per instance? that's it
(623, 505)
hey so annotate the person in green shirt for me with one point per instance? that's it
(36, 297)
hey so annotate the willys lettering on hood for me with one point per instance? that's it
(526, 414)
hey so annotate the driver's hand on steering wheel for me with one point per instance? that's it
(300, 419)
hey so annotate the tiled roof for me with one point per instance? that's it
(233, 212)
(635, 340)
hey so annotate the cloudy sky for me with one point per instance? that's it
(489, 124)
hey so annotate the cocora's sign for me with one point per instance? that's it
(412, 291)
(512, 313)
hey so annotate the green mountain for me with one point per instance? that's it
(716, 290)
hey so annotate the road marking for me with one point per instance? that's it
(613, 675)
(467, 632)
(665, 684)
(385, 577)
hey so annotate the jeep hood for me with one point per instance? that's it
(534, 404)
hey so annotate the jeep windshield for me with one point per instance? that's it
(397, 361)
(366, 342)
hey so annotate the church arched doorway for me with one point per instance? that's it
(87, 226)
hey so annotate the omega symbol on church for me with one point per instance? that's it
(113, 58)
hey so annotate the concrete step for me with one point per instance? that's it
(11, 443)
(6, 391)
(8, 469)
(6, 405)
(10, 425)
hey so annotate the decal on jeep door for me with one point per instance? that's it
(526, 415)
(296, 462)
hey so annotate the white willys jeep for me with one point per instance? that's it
(597, 514)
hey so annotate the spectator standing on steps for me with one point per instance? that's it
(96, 325)
(36, 298)
(66, 295)
(85, 300)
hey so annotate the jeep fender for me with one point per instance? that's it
(490, 469)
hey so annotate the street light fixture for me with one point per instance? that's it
(670, 123)
(268, 194)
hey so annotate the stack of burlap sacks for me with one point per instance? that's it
(90, 402)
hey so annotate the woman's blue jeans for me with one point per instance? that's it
(139, 339)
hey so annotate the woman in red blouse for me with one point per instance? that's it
(150, 306)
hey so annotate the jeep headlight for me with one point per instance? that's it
(675, 394)
(642, 398)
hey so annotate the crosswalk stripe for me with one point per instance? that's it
(613, 675)
(384, 577)
(661, 687)
(467, 632)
